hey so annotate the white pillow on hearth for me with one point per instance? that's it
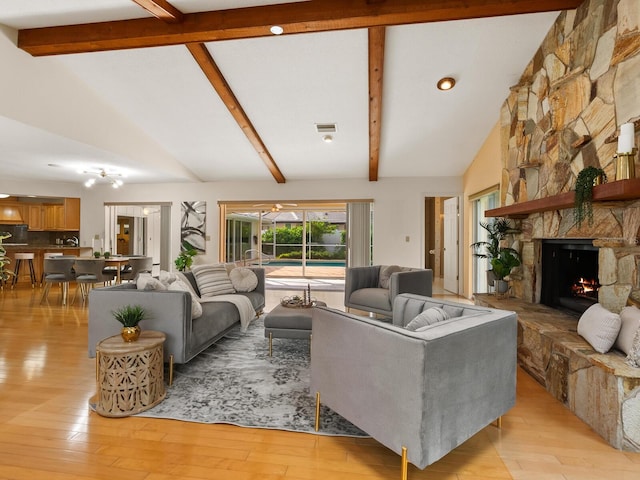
(630, 320)
(599, 327)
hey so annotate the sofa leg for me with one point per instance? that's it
(317, 423)
(404, 467)
(270, 343)
(310, 338)
(499, 422)
(170, 370)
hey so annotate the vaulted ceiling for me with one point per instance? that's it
(201, 90)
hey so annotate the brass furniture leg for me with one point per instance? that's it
(317, 423)
(404, 467)
(499, 422)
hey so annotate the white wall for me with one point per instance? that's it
(398, 208)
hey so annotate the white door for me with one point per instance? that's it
(451, 245)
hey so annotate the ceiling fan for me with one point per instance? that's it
(276, 207)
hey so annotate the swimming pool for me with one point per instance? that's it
(310, 263)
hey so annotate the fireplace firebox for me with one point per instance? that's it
(569, 274)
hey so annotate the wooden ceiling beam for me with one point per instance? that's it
(376, 73)
(214, 75)
(299, 17)
(162, 10)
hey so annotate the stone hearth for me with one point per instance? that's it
(601, 389)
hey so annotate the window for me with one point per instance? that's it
(481, 202)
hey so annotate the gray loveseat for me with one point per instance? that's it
(170, 312)
(374, 289)
(427, 391)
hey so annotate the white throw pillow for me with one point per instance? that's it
(212, 280)
(167, 278)
(180, 286)
(145, 281)
(427, 317)
(630, 319)
(243, 279)
(599, 327)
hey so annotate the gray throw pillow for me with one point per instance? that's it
(453, 311)
(385, 274)
(427, 317)
(630, 319)
(599, 327)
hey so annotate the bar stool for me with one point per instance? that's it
(28, 257)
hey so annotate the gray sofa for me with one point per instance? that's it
(370, 290)
(428, 391)
(170, 312)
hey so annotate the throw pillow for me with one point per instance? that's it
(167, 278)
(599, 327)
(453, 311)
(212, 280)
(385, 274)
(145, 281)
(630, 319)
(428, 317)
(180, 286)
(243, 279)
(633, 359)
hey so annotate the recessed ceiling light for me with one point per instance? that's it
(446, 83)
(55, 165)
(277, 30)
(327, 138)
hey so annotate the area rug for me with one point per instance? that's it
(236, 382)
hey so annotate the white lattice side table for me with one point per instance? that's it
(129, 376)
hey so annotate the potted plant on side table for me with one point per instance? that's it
(129, 316)
(185, 259)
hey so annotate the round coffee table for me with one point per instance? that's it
(289, 322)
(129, 376)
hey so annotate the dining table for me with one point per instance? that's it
(118, 262)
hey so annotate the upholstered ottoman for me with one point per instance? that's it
(288, 322)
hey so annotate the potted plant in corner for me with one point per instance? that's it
(587, 178)
(185, 259)
(497, 230)
(129, 316)
(506, 260)
(5, 274)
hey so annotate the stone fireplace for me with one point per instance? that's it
(561, 117)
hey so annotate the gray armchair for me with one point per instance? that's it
(373, 289)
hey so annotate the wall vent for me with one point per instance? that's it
(326, 127)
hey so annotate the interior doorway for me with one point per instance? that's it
(443, 259)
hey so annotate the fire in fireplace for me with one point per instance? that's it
(569, 274)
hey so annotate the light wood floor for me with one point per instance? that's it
(47, 431)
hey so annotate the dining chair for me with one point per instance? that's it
(58, 270)
(89, 272)
(137, 265)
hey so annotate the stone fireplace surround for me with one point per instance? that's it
(562, 116)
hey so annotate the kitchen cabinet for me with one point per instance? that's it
(65, 217)
(35, 218)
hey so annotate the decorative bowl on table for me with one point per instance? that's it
(297, 301)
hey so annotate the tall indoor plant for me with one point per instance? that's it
(497, 230)
(5, 274)
(185, 259)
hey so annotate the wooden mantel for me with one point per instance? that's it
(608, 192)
